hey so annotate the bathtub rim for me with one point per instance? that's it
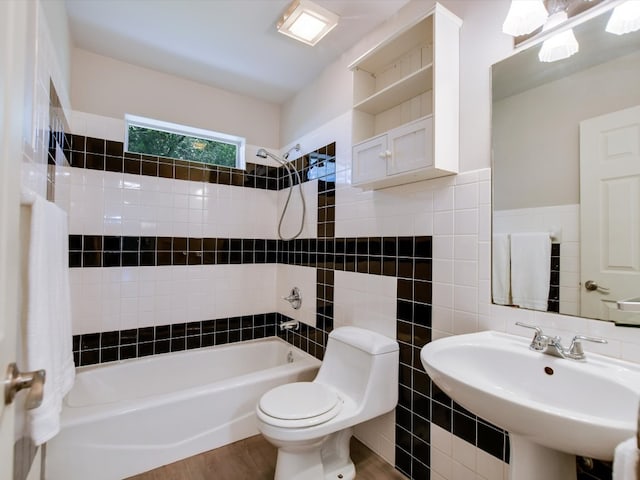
(73, 416)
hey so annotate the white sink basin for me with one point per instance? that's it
(579, 408)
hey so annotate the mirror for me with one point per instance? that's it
(566, 177)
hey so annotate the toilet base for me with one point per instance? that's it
(325, 459)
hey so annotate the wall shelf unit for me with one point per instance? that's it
(405, 112)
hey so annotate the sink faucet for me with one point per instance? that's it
(553, 345)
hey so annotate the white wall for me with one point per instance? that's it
(126, 88)
(58, 24)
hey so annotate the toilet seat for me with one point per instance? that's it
(297, 405)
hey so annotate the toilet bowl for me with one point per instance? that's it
(311, 423)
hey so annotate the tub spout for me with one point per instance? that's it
(290, 325)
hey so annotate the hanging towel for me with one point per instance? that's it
(625, 460)
(530, 269)
(501, 275)
(48, 341)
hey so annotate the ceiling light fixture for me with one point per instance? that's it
(524, 17)
(625, 18)
(561, 45)
(307, 22)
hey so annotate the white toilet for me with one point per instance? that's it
(311, 423)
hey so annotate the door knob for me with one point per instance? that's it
(591, 286)
(16, 381)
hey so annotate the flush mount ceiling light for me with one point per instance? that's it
(561, 45)
(307, 22)
(524, 17)
(625, 18)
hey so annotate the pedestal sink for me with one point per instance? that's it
(553, 408)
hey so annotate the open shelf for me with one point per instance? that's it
(398, 92)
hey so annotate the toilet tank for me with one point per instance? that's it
(362, 364)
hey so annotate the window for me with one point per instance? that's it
(164, 139)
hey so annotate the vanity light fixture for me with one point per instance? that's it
(307, 22)
(561, 45)
(524, 17)
(625, 18)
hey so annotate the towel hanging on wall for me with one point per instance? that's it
(501, 275)
(47, 338)
(530, 269)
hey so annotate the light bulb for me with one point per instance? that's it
(625, 18)
(561, 45)
(524, 17)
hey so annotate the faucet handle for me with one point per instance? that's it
(576, 344)
(540, 340)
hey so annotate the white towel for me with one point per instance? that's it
(48, 341)
(501, 275)
(530, 269)
(625, 460)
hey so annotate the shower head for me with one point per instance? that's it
(262, 153)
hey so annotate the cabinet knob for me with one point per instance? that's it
(385, 154)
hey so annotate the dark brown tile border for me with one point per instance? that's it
(106, 155)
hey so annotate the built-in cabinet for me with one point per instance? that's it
(405, 112)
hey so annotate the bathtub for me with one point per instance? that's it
(129, 417)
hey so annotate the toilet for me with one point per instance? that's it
(311, 423)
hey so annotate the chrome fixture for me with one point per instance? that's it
(296, 147)
(294, 298)
(629, 304)
(553, 345)
(290, 325)
(262, 153)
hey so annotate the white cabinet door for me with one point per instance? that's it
(369, 160)
(410, 147)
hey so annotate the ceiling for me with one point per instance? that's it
(229, 44)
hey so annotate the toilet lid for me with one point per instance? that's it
(301, 400)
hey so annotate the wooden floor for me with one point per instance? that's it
(255, 459)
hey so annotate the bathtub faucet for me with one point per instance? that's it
(294, 298)
(290, 325)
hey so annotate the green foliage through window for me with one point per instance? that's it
(147, 140)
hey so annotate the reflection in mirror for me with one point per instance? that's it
(566, 177)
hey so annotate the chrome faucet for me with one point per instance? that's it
(553, 345)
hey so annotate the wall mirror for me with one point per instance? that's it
(566, 164)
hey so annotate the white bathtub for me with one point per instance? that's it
(129, 417)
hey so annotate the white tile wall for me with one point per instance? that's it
(109, 203)
(289, 276)
(454, 459)
(367, 301)
(106, 299)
